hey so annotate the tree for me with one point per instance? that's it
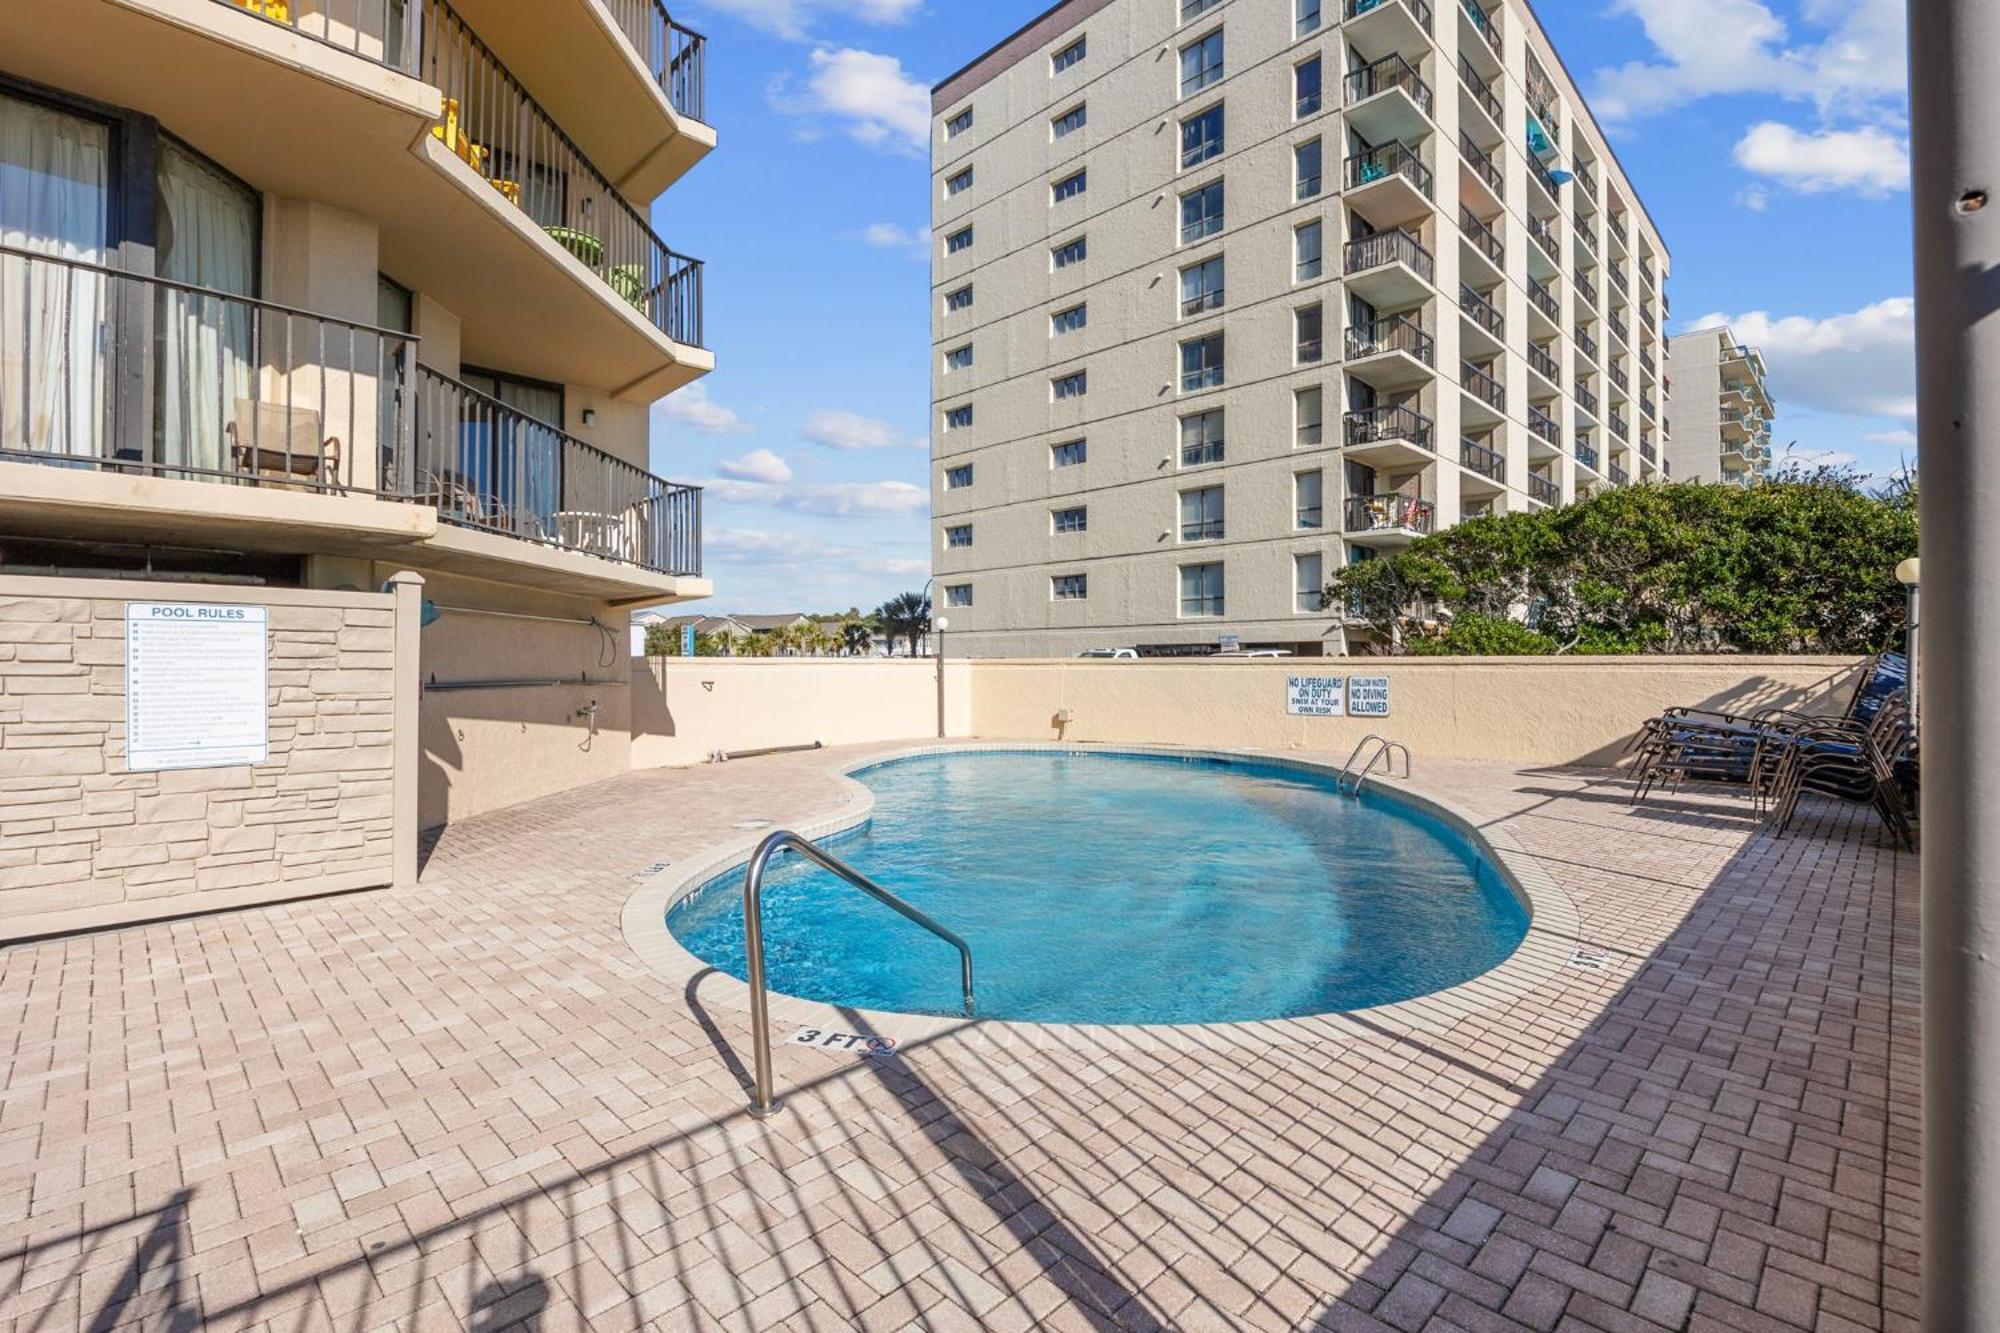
(857, 637)
(905, 616)
(1802, 564)
(663, 640)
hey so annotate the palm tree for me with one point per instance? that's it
(905, 616)
(856, 638)
(759, 644)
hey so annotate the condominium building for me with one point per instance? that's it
(1721, 411)
(299, 295)
(1229, 293)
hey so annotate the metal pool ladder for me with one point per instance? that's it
(1383, 753)
(753, 942)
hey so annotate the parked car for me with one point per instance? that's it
(1267, 652)
(1117, 654)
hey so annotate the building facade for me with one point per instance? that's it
(1721, 411)
(1231, 292)
(301, 295)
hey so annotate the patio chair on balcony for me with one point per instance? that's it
(276, 441)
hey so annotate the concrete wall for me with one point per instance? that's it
(86, 842)
(685, 709)
(1558, 710)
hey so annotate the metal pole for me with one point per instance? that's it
(938, 628)
(764, 1104)
(1955, 142)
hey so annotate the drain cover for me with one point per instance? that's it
(1590, 958)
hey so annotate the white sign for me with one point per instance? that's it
(861, 1043)
(1368, 696)
(1229, 643)
(195, 689)
(1315, 696)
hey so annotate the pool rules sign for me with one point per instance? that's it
(195, 686)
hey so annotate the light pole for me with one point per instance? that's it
(1955, 162)
(1907, 575)
(940, 624)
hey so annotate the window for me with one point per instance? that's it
(1201, 212)
(960, 299)
(1306, 251)
(1070, 55)
(1201, 590)
(1201, 63)
(1201, 438)
(1305, 89)
(1307, 408)
(1306, 169)
(958, 418)
(1308, 16)
(1069, 187)
(1069, 587)
(1070, 320)
(1071, 252)
(958, 124)
(1072, 520)
(1194, 9)
(1201, 287)
(959, 537)
(1201, 515)
(958, 478)
(1201, 363)
(1069, 453)
(1306, 492)
(959, 358)
(1201, 137)
(1068, 122)
(958, 240)
(1309, 323)
(1073, 385)
(958, 594)
(1308, 581)
(958, 183)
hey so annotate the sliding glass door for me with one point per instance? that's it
(203, 351)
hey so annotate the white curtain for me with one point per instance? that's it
(207, 237)
(54, 330)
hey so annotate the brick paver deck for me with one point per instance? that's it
(468, 1105)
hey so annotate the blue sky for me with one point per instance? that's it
(1768, 137)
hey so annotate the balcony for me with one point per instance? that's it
(1388, 437)
(1586, 401)
(1487, 396)
(1388, 520)
(1544, 365)
(1547, 205)
(1477, 165)
(1586, 291)
(1543, 490)
(1586, 185)
(1619, 378)
(1586, 453)
(1543, 305)
(1619, 476)
(1586, 236)
(1389, 185)
(1586, 344)
(1483, 462)
(1543, 426)
(1620, 428)
(1482, 93)
(1648, 364)
(1388, 100)
(1390, 353)
(1648, 452)
(1377, 28)
(1483, 242)
(1647, 408)
(330, 436)
(1487, 25)
(1488, 326)
(1389, 269)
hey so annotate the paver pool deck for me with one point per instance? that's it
(471, 1104)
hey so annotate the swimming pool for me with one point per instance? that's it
(1107, 888)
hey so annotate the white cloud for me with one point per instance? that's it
(1858, 364)
(878, 103)
(792, 18)
(1869, 161)
(757, 465)
(888, 236)
(693, 408)
(803, 556)
(1895, 439)
(830, 499)
(839, 429)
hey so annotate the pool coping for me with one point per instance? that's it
(1554, 927)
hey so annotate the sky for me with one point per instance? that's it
(1769, 139)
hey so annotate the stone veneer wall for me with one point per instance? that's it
(85, 842)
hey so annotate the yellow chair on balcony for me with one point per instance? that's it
(449, 133)
(279, 11)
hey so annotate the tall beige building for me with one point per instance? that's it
(1231, 292)
(1721, 411)
(299, 294)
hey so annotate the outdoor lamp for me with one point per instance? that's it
(1906, 573)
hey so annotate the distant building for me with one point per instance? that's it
(1721, 411)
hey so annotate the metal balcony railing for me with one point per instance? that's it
(1380, 425)
(1586, 289)
(1648, 364)
(1585, 343)
(1619, 476)
(1620, 427)
(1486, 462)
(1587, 236)
(493, 125)
(1419, 9)
(1483, 386)
(1482, 91)
(1390, 159)
(1481, 311)
(1389, 513)
(1389, 247)
(1397, 333)
(676, 55)
(1619, 280)
(255, 394)
(1544, 490)
(1384, 75)
(1544, 300)
(1543, 177)
(1487, 25)
(1482, 165)
(1586, 400)
(1544, 233)
(1648, 452)
(1619, 377)
(1617, 327)
(1586, 183)
(1544, 425)
(1482, 237)
(1586, 453)
(1544, 364)
(1646, 407)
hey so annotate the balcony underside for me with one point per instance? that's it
(1471, 481)
(1389, 117)
(1391, 455)
(37, 500)
(1390, 28)
(1389, 202)
(302, 120)
(1389, 370)
(1384, 539)
(1390, 286)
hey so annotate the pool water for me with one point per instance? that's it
(1123, 889)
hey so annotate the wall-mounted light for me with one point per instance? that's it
(590, 416)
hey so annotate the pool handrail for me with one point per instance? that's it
(753, 942)
(1384, 754)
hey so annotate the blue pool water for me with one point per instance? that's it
(1116, 889)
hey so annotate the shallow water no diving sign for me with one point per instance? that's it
(859, 1043)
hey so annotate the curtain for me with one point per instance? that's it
(202, 361)
(54, 330)
(515, 465)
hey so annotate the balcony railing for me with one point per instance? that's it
(1389, 73)
(1619, 377)
(1544, 300)
(1484, 461)
(1482, 164)
(1646, 407)
(1544, 364)
(1648, 452)
(1617, 327)
(1482, 91)
(1544, 233)
(1397, 333)
(1586, 183)
(1481, 236)
(1389, 247)
(1380, 425)
(493, 125)
(1587, 235)
(1648, 364)
(1585, 343)
(1389, 513)
(1620, 427)
(1483, 386)
(1391, 159)
(1619, 280)
(1487, 25)
(1586, 400)
(676, 55)
(1481, 311)
(1419, 9)
(1543, 178)
(1619, 476)
(1586, 289)
(377, 30)
(1542, 489)
(1586, 453)
(1544, 425)
(253, 394)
